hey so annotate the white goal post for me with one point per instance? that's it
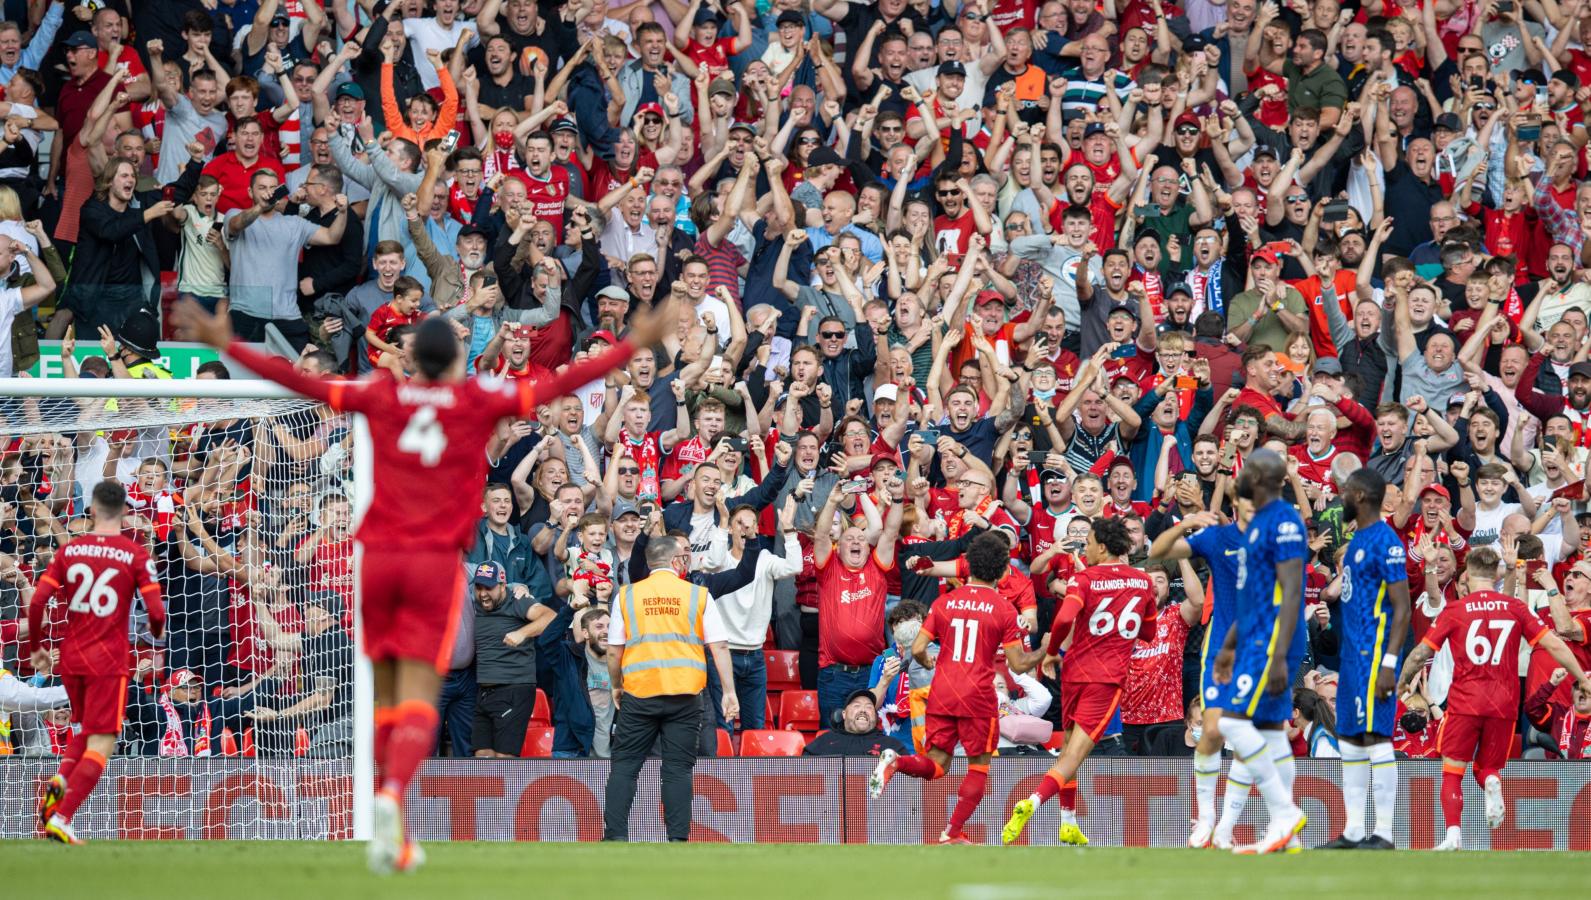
(286, 699)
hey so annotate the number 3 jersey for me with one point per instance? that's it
(970, 623)
(1484, 631)
(95, 577)
(1106, 609)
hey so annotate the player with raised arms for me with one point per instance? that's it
(1484, 630)
(1204, 535)
(428, 439)
(1373, 613)
(100, 572)
(1117, 604)
(1264, 645)
(971, 625)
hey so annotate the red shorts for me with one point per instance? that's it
(409, 603)
(976, 734)
(1483, 740)
(1089, 705)
(98, 702)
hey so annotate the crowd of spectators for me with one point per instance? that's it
(948, 266)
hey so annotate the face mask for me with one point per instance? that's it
(1045, 396)
(1197, 731)
(906, 632)
(504, 139)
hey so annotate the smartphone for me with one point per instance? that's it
(1186, 382)
(855, 486)
(929, 435)
(1036, 458)
(1541, 97)
(1529, 132)
(169, 193)
(450, 142)
(1505, 6)
(1477, 82)
(488, 281)
(280, 194)
(1335, 211)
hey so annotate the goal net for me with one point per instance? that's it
(240, 720)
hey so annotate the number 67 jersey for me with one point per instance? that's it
(1484, 631)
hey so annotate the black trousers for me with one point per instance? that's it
(642, 720)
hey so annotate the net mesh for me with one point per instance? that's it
(247, 508)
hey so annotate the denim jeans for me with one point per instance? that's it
(835, 683)
(457, 708)
(751, 686)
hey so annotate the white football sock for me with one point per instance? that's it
(1384, 774)
(1251, 747)
(1239, 781)
(1355, 788)
(1282, 755)
(1206, 772)
(1068, 816)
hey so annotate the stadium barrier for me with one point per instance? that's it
(1122, 802)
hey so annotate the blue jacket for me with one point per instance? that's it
(561, 670)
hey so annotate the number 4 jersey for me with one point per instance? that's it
(96, 576)
(1484, 631)
(1106, 609)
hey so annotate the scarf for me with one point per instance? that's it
(459, 206)
(172, 743)
(1214, 294)
(1569, 727)
(160, 508)
(644, 450)
(1154, 292)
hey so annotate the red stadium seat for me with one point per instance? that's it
(798, 711)
(538, 742)
(247, 744)
(768, 711)
(768, 644)
(771, 743)
(229, 743)
(726, 746)
(784, 670)
(301, 742)
(542, 714)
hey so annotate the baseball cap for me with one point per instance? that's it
(1049, 475)
(1531, 76)
(349, 89)
(861, 692)
(747, 126)
(1328, 365)
(1288, 363)
(883, 457)
(1180, 287)
(722, 86)
(655, 109)
(1186, 118)
(706, 17)
(952, 67)
(1582, 368)
(790, 17)
(1448, 122)
(80, 39)
(564, 124)
(183, 677)
(622, 508)
(1093, 128)
(989, 296)
(1568, 77)
(474, 229)
(1266, 150)
(886, 392)
(602, 334)
(1193, 43)
(280, 19)
(615, 292)
(488, 574)
(1437, 489)
(1122, 308)
(824, 155)
(1266, 255)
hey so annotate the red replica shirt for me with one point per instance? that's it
(99, 573)
(1484, 631)
(954, 236)
(850, 611)
(383, 320)
(547, 196)
(1311, 470)
(970, 623)
(426, 435)
(235, 177)
(1542, 663)
(1154, 676)
(1110, 605)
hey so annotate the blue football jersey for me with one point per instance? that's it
(1375, 559)
(1219, 546)
(1275, 535)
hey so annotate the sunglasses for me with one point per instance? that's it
(808, 140)
(832, 335)
(631, 471)
(953, 192)
(1188, 130)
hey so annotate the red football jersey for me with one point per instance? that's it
(850, 611)
(99, 573)
(970, 623)
(428, 441)
(1542, 663)
(1154, 677)
(1116, 605)
(548, 196)
(1484, 630)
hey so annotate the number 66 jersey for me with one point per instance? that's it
(1106, 609)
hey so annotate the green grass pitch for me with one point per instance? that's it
(111, 870)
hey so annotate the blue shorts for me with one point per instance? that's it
(1358, 712)
(1245, 693)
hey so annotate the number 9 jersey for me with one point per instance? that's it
(1274, 536)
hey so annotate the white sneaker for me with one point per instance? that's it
(1453, 841)
(882, 774)
(386, 834)
(1221, 841)
(1203, 832)
(1496, 808)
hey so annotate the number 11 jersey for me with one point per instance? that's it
(971, 623)
(1114, 605)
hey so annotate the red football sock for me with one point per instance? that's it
(386, 717)
(968, 797)
(84, 776)
(1048, 788)
(919, 766)
(1452, 796)
(72, 753)
(1069, 795)
(412, 739)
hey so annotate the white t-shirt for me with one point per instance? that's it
(711, 304)
(709, 544)
(712, 623)
(426, 34)
(10, 308)
(1489, 523)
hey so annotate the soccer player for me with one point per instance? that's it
(970, 623)
(1117, 603)
(1203, 535)
(428, 440)
(1374, 578)
(1484, 631)
(101, 571)
(1264, 645)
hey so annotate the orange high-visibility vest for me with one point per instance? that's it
(664, 653)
